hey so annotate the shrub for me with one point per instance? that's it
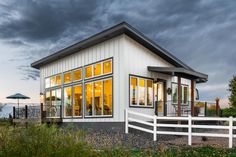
(41, 141)
(228, 112)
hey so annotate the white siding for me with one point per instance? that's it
(134, 60)
(104, 50)
(129, 57)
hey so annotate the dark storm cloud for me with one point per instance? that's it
(201, 33)
(45, 20)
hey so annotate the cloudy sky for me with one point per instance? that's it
(201, 33)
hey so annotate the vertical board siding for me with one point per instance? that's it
(104, 50)
(135, 60)
(129, 57)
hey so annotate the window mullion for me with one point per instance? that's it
(102, 93)
(137, 91)
(92, 98)
(145, 92)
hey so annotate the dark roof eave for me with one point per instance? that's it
(177, 71)
(122, 28)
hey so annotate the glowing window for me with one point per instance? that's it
(53, 81)
(88, 71)
(88, 99)
(133, 90)
(107, 67)
(97, 68)
(77, 75)
(107, 96)
(149, 92)
(98, 98)
(67, 77)
(67, 101)
(58, 80)
(77, 100)
(141, 91)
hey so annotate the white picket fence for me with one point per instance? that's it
(131, 116)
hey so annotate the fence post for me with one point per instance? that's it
(126, 122)
(189, 130)
(230, 132)
(154, 128)
(14, 112)
(205, 109)
(26, 111)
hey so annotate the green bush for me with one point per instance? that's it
(42, 141)
(228, 112)
(45, 141)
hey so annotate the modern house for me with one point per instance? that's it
(96, 79)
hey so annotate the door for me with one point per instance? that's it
(159, 97)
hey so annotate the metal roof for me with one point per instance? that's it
(176, 71)
(121, 28)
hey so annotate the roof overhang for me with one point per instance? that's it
(122, 28)
(182, 72)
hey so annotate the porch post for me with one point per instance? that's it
(179, 96)
(192, 97)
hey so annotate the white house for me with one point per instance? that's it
(96, 79)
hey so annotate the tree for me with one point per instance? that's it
(232, 90)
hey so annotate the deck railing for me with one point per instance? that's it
(53, 111)
(201, 108)
(27, 112)
(152, 124)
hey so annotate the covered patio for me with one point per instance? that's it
(190, 74)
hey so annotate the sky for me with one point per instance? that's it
(199, 32)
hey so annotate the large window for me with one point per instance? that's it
(67, 101)
(53, 102)
(184, 93)
(93, 97)
(53, 81)
(77, 100)
(98, 69)
(141, 91)
(98, 95)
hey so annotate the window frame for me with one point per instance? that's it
(82, 82)
(145, 105)
(50, 91)
(102, 71)
(73, 76)
(82, 113)
(182, 93)
(93, 81)
(49, 77)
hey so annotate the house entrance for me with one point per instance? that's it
(160, 97)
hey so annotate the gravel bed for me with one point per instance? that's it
(137, 139)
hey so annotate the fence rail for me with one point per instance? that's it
(187, 124)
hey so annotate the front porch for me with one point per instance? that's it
(182, 98)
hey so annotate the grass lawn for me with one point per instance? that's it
(44, 141)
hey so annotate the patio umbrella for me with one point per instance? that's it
(18, 96)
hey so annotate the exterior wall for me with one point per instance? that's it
(134, 60)
(104, 50)
(129, 57)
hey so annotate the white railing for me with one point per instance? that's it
(152, 121)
